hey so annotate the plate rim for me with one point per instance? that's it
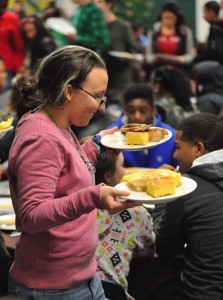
(5, 191)
(163, 199)
(126, 55)
(137, 147)
(10, 227)
(6, 129)
(6, 225)
(67, 24)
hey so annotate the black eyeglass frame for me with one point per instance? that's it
(100, 100)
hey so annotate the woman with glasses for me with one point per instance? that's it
(52, 180)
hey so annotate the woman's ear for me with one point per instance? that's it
(68, 92)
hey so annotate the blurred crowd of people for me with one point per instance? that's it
(185, 75)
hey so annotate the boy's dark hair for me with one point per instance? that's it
(214, 6)
(139, 90)
(204, 127)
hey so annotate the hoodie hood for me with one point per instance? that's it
(209, 76)
(210, 172)
(209, 167)
(218, 23)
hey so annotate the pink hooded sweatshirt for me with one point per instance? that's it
(54, 198)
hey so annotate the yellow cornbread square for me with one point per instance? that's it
(137, 138)
(161, 187)
(6, 124)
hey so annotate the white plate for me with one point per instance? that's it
(188, 185)
(117, 141)
(8, 227)
(5, 204)
(127, 55)
(7, 222)
(60, 25)
(4, 131)
(4, 188)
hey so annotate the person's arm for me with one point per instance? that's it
(93, 31)
(189, 51)
(129, 42)
(17, 45)
(169, 229)
(150, 55)
(40, 204)
(98, 151)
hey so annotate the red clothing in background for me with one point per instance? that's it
(167, 44)
(11, 45)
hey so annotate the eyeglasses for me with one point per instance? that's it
(100, 100)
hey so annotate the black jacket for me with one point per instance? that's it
(209, 77)
(215, 42)
(196, 220)
(39, 50)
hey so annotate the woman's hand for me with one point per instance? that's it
(108, 131)
(109, 201)
(110, 152)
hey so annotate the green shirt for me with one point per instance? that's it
(91, 28)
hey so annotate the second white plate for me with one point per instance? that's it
(188, 185)
(8, 219)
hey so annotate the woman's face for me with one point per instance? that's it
(30, 30)
(168, 19)
(81, 107)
